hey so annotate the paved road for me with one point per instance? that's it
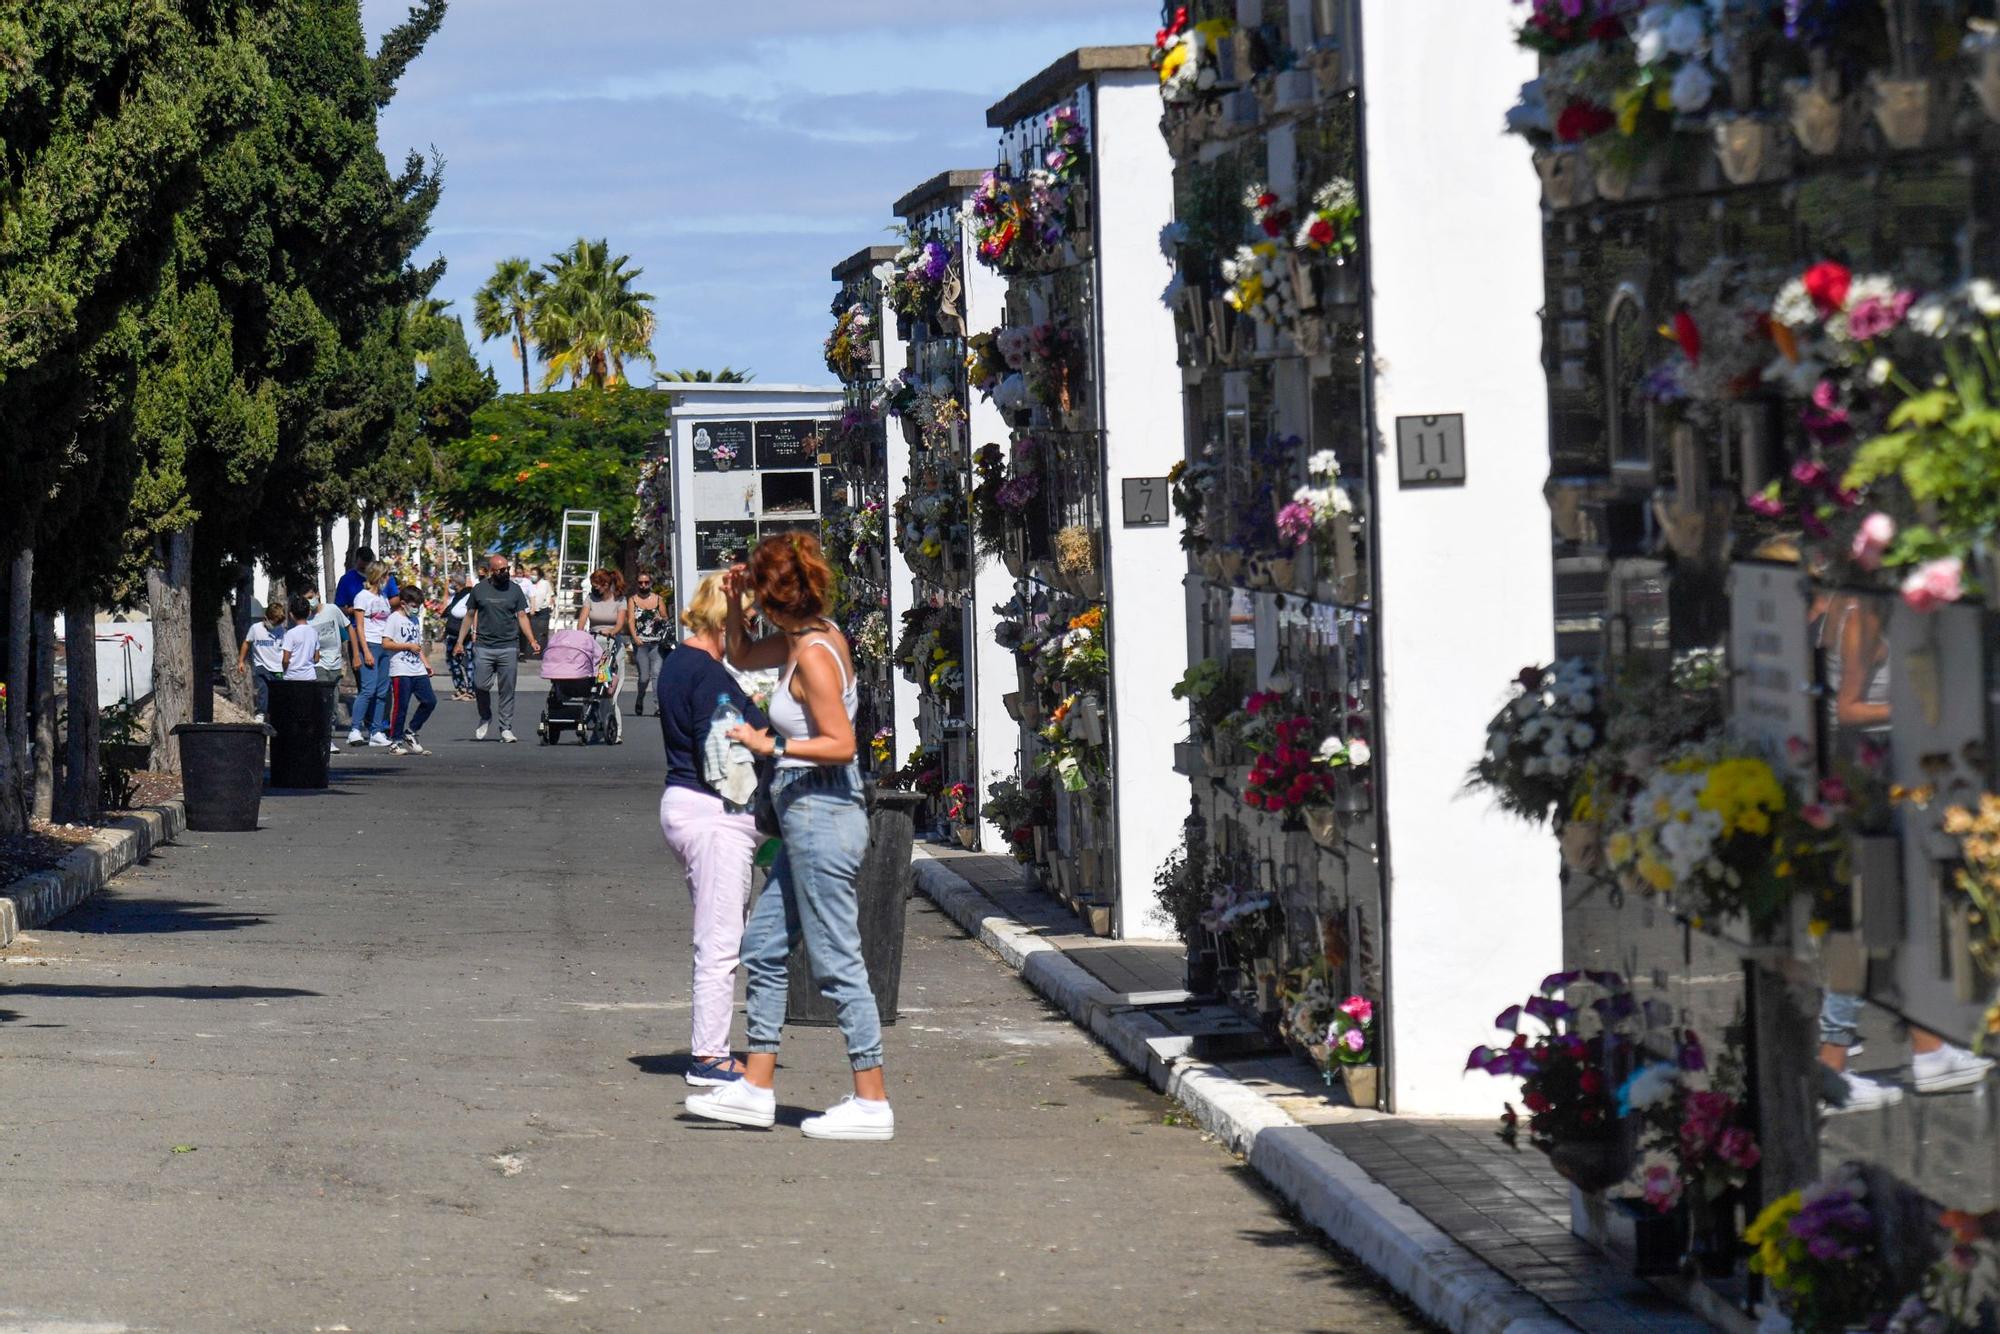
(406, 1058)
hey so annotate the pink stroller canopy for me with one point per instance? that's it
(570, 655)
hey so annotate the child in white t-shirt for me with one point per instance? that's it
(300, 646)
(409, 674)
(266, 642)
(371, 695)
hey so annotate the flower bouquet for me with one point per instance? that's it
(1538, 744)
(1350, 1037)
(724, 454)
(920, 272)
(1978, 834)
(1312, 516)
(1569, 1072)
(1188, 56)
(959, 810)
(1704, 1138)
(1961, 1293)
(1817, 1249)
(849, 348)
(1332, 227)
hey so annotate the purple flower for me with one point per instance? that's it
(1809, 472)
(1693, 1058)
(1550, 1011)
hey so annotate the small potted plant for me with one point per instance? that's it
(1816, 1247)
(724, 455)
(1350, 1040)
(958, 808)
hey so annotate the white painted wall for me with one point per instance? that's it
(1140, 410)
(994, 672)
(1454, 235)
(903, 692)
(709, 497)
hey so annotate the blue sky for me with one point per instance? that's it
(736, 150)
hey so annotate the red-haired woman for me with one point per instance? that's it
(810, 895)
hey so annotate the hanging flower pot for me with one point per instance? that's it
(1364, 1084)
(1323, 824)
(1232, 565)
(1279, 572)
(1014, 563)
(1905, 110)
(1011, 701)
(1817, 113)
(1566, 177)
(1582, 852)
(1748, 148)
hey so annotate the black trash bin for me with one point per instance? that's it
(222, 774)
(883, 888)
(301, 735)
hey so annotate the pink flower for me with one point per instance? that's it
(1766, 504)
(1873, 318)
(1872, 539)
(1358, 1008)
(1825, 396)
(1809, 472)
(1816, 815)
(1935, 583)
(1663, 1188)
(1738, 1148)
(1354, 1039)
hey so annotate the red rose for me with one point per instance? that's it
(1583, 120)
(1591, 1082)
(1827, 283)
(1536, 1102)
(1688, 334)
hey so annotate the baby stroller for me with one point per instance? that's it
(583, 689)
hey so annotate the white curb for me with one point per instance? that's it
(38, 899)
(1443, 1279)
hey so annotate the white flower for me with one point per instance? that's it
(1358, 753)
(1692, 87)
(1649, 36)
(1879, 371)
(1651, 1086)
(1174, 293)
(1172, 237)
(1561, 765)
(1870, 286)
(1581, 735)
(1931, 317)
(1984, 297)
(1686, 31)
(1325, 463)
(1335, 195)
(1794, 306)
(1531, 114)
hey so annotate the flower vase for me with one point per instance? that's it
(1320, 1055)
(1591, 1165)
(1566, 177)
(1905, 110)
(1267, 986)
(1364, 1084)
(1232, 565)
(1323, 824)
(1747, 148)
(1090, 584)
(1011, 701)
(1582, 852)
(1817, 114)
(722, 464)
(1278, 570)
(1713, 1245)
(968, 836)
(1088, 724)
(1014, 562)
(1202, 966)
(1341, 282)
(1211, 566)
(1658, 1241)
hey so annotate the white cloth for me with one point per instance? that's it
(541, 595)
(327, 621)
(402, 629)
(729, 768)
(302, 642)
(267, 646)
(374, 610)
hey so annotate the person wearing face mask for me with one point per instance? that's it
(331, 627)
(496, 621)
(650, 636)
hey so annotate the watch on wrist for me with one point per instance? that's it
(778, 748)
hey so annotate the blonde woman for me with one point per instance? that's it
(714, 840)
(371, 696)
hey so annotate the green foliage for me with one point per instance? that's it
(727, 375)
(590, 320)
(528, 458)
(1185, 890)
(505, 307)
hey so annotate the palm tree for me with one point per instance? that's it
(727, 375)
(590, 320)
(505, 307)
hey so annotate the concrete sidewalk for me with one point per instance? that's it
(1476, 1236)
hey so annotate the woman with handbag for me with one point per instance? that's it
(816, 793)
(715, 839)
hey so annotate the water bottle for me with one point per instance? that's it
(726, 714)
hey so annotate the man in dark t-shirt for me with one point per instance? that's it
(497, 623)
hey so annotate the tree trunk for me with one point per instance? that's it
(327, 577)
(82, 779)
(521, 345)
(44, 755)
(229, 633)
(20, 660)
(168, 593)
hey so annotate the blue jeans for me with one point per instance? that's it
(371, 694)
(1839, 1019)
(810, 895)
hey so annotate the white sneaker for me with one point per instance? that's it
(1948, 1068)
(355, 738)
(507, 735)
(379, 739)
(1864, 1095)
(739, 1102)
(257, 718)
(479, 732)
(333, 749)
(414, 746)
(852, 1119)
(399, 749)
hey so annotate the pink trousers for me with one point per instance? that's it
(717, 848)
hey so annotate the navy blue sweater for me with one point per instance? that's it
(690, 682)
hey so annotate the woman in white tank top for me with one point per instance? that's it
(816, 791)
